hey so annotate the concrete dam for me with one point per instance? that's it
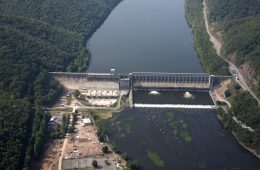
(100, 81)
(135, 81)
(171, 81)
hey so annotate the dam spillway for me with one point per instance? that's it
(171, 81)
(138, 81)
(174, 106)
(92, 81)
(123, 84)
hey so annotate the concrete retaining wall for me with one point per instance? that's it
(83, 82)
(158, 81)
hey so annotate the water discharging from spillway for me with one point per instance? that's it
(187, 95)
(154, 92)
(152, 35)
(182, 138)
(166, 97)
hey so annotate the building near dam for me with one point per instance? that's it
(110, 85)
(138, 81)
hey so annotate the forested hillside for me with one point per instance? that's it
(246, 110)
(37, 37)
(210, 61)
(240, 35)
(239, 21)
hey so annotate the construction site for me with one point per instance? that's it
(83, 146)
(85, 92)
(79, 148)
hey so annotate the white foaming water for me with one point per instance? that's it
(187, 95)
(154, 92)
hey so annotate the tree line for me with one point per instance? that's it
(210, 61)
(239, 23)
(38, 37)
(246, 109)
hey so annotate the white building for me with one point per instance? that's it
(86, 121)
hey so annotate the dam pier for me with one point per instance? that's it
(112, 85)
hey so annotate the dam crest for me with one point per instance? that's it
(126, 83)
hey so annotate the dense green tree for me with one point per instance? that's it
(36, 39)
(250, 139)
(101, 133)
(245, 107)
(76, 93)
(94, 163)
(227, 93)
(210, 61)
(239, 21)
(105, 149)
(125, 156)
(134, 165)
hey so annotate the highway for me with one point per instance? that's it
(232, 68)
(240, 80)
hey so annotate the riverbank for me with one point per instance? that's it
(81, 144)
(253, 151)
(219, 96)
(217, 44)
(195, 12)
(242, 135)
(209, 60)
(238, 28)
(38, 39)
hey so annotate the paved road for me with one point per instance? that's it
(240, 80)
(232, 68)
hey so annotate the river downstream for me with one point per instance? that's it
(152, 35)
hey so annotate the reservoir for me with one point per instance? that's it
(144, 35)
(153, 36)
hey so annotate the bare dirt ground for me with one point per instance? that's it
(220, 96)
(219, 91)
(51, 156)
(242, 73)
(83, 143)
(216, 43)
